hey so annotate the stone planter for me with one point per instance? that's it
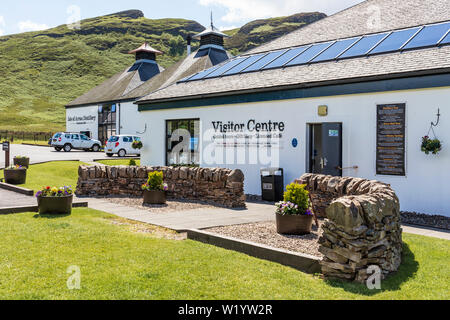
(294, 224)
(55, 205)
(15, 176)
(154, 197)
(24, 162)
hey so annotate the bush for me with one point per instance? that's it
(137, 145)
(132, 163)
(155, 182)
(431, 145)
(296, 194)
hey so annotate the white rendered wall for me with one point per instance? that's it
(130, 119)
(424, 189)
(86, 119)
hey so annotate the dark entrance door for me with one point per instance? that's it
(326, 148)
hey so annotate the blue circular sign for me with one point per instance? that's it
(295, 142)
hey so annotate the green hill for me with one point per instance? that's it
(42, 71)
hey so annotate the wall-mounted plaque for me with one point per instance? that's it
(391, 125)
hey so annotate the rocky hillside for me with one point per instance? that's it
(261, 31)
(42, 71)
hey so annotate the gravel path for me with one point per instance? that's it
(425, 220)
(266, 233)
(171, 206)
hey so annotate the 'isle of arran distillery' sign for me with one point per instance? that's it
(391, 125)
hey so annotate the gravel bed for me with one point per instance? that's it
(266, 233)
(171, 206)
(425, 220)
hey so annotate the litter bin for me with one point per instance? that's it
(272, 184)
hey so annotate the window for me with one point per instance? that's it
(127, 139)
(84, 138)
(75, 137)
(182, 143)
(137, 139)
(113, 139)
(106, 121)
(67, 136)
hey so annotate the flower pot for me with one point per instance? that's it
(24, 162)
(154, 197)
(294, 224)
(55, 205)
(15, 176)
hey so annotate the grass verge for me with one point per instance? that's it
(123, 260)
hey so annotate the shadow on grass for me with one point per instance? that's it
(50, 216)
(407, 270)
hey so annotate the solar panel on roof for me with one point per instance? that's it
(282, 60)
(244, 64)
(225, 67)
(335, 50)
(265, 60)
(446, 39)
(429, 36)
(203, 73)
(309, 54)
(394, 41)
(363, 46)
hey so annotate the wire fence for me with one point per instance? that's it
(25, 136)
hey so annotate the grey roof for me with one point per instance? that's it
(394, 14)
(190, 65)
(370, 16)
(120, 85)
(211, 30)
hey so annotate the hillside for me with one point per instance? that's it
(42, 71)
(261, 31)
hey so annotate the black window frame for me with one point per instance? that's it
(191, 124)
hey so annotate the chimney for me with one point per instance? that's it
(189, 41)
(211, 37)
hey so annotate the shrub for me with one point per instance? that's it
(137, 145)
(132, 163)
(155, 182)
(296, 194)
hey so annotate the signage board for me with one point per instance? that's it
(5, 146)
(391, 143)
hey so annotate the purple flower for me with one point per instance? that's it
(308, 213)
(38, 194)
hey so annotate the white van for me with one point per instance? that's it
(122, 146)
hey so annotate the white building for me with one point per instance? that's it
(352, 94)
(108, 109)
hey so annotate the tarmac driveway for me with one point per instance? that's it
(41, 154)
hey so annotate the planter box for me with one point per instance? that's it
(154, 197)
(295, 225)
(55, 205)
(24, 162)
(15, 176)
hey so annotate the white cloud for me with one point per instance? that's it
(2, 24)
(247, 10)
(31, 26)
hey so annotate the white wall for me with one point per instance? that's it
(424, 189)
(131, 121)
(86, 120)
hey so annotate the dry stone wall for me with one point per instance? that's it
(213, 185)
(362, 226)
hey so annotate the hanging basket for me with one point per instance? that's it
(432, 146)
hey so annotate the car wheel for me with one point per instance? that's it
(67, 148)
(109, 155)
(58, 149)
(122, 153)
(96, 148)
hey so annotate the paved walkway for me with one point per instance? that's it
(14, 199)
(190, 219)
(216, 217)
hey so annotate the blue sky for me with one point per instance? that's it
(29, 15)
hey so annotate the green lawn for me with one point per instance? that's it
(54, 174)
(119, 262)
(118, 162)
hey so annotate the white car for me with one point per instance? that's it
(67, 141)
(122, 146)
